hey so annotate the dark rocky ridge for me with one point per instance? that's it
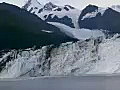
(21, 29)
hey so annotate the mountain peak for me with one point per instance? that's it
(92, 6)
(88, 9)
(49, 3)
(49, 6)
(29, 2)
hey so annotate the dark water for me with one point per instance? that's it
(63, 83)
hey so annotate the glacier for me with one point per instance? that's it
(92, 56)
(81, 34)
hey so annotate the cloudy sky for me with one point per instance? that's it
(76, 3)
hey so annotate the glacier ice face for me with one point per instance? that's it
(92, 56)
(109, 54)
(24, 63)
(73, 59)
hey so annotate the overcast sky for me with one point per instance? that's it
(76, 3)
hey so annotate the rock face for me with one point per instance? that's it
(21, 29)
(88, 9)
(65, 20)
(92, 56)
(107, 19)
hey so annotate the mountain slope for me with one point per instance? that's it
(20, 29)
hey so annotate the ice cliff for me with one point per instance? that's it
(92, 56)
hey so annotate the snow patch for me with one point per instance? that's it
(47, 31)
(93, 14)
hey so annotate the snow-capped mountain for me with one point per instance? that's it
(91, 11)
(91, 17)
(49, 12)
(32, 7)
(94, 17)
